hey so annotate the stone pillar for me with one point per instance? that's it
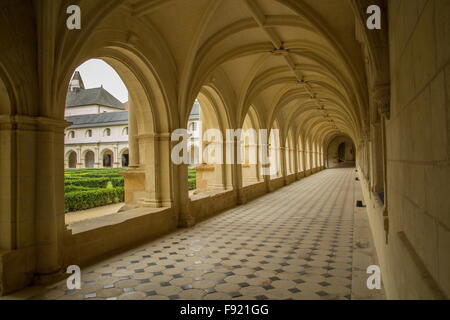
(50, 215)
(296, 166)
(116, 160)
(237, 168)
(31, 231)
(283, 159)
(133, 144)
(155, 161)
(97, 160)
(17, 176)
(79, 158)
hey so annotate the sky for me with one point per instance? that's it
(96, 72)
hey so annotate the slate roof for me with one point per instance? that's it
(98, 119)
(77, 77)
(96, 96)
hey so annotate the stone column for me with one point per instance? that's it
(155, 153)
(79, 158)
(97, 160)
(237, 167)
(283, 158)
(133, 144)
(116, 160)
(296, 166)
(31, 231)
(49, 224)
(17, 218)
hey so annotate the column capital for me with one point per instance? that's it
(381, 95)
(29, 123)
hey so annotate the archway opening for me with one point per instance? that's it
(341, 152)
(72, 160)
(212, 173)
(275, 151)
(125, 157)
(250, 160)
(96, 108)
(89, 159)
(107, 159)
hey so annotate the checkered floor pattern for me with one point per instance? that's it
(295, 243)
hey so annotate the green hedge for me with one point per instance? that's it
(72, 188)
(82, 200)
(88, 182)
(90, 188)
(192, 177)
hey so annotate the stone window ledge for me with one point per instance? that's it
(111, 219)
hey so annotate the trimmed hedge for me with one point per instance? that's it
(90, 188)
(72, 188)
(82, 200)
(88, 182)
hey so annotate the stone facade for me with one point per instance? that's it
(98, 139)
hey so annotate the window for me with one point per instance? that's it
(125, 131)
(107, 132)
(72, 134)
(89, 133)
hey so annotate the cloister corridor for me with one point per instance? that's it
(288, 93)
(294, 243)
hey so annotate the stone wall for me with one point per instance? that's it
(416, 259)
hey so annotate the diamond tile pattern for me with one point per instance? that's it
(294, 243)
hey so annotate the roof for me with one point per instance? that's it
(98, 119)
(96, 96)
(195, 112)
(77, 80)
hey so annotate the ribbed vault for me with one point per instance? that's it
(290, 60)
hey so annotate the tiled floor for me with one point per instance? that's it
(295, 243)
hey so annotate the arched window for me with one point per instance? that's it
(107, 132)
(72, 134)
(193, 126)
(89, 133)
(125, 131)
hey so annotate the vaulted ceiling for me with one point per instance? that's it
(297, 61)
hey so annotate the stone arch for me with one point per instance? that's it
(124, 155)
(107, 158)
(290, 153)
(340, 150)
(5, 95)
(301, 154)
(213, 173)
(275, 150)
(250, 149)
(149, 121)
(72, 159)
(88, 158)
